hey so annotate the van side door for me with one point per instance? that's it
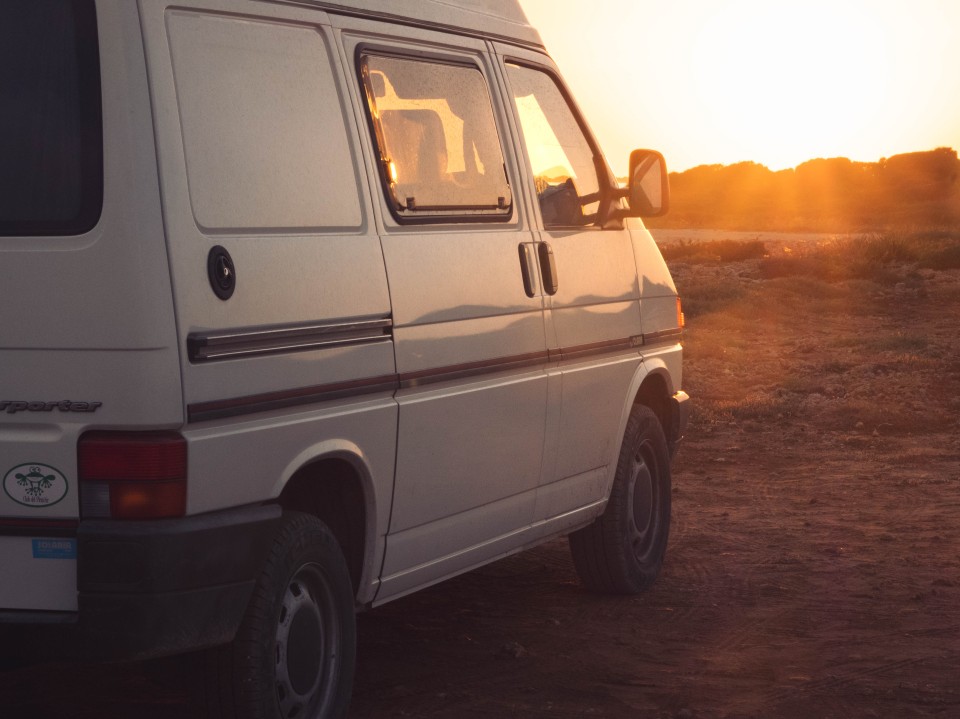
(467, 308)
(280, 292)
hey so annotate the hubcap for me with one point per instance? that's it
(307, 645)
(643, 501)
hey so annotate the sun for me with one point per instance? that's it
(777, 82)
(789, 83)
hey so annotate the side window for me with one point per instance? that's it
(561, 158)
(440, 154)
(264, 135)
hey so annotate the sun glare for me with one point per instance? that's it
(778, 82)
(790, 84)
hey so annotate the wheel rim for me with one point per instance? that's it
(307, 645)
(644, 500)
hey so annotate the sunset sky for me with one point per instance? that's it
(773, 81)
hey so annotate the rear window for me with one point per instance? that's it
(51, 166)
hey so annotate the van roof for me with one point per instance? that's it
(500, 19)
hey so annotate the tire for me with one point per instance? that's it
(622, 551)
(294, 654)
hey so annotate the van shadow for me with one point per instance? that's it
(466, 642)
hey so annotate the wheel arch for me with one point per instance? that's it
(333, 482)
(652, 385)
(655, 392)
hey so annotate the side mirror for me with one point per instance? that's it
(649, 191)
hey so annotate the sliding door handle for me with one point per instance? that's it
(527, 268)
(548, 268)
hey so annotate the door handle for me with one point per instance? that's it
(527, 269)
(548, 268)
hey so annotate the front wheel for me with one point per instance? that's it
(293, 656)
(622, 551)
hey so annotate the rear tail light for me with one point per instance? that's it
(681, 321)
(132, 475)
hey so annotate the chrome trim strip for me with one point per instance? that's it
(598, 348)
(230, 344)
(674, 334)
(220, 409)
(472, 369)
(237, 406)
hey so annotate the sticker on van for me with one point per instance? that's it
(54, 548)
(35, 485)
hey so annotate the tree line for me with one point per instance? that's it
(916, 189)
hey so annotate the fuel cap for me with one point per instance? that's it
(222, 274)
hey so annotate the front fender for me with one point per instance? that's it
(657, 366)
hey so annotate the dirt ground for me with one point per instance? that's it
(814, 560)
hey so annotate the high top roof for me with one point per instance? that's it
(501, 19)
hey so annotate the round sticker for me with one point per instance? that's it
(35, 485)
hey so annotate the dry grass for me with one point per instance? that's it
(714, 251)
(884, 258)
(848, 337)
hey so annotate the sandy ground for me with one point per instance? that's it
(813, 568)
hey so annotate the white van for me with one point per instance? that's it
(306, 306)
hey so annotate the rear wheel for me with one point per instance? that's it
(293, 656)
(622, 551)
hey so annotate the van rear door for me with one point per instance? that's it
(87, 337)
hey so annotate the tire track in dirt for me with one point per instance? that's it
(824, 690)
(839, 694)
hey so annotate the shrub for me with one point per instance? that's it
(701, 299)
(878, 257)
(713, 251)
(944, 258)
(887, 249)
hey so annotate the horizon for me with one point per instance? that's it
(779, 84)
(878, 161)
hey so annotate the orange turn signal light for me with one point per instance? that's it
(133, 475)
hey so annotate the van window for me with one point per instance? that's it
(440, 153)
(561, 158)
(264, 133)
(51, 146)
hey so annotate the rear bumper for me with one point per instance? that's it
(149, 589)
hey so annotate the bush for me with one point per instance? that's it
(713, 251)
(944, 258)
(701, 299)
(887, 249)
(874, 257)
